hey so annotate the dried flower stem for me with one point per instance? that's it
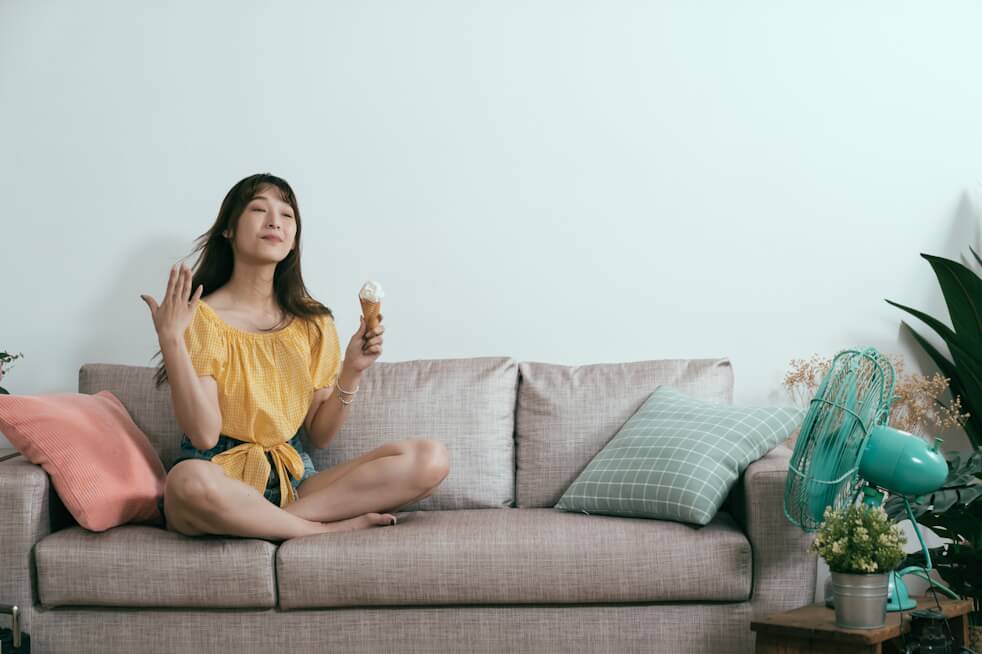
(916, 408)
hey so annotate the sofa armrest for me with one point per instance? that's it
(25, 518)
(784, 568)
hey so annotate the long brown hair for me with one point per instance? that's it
(214, 265)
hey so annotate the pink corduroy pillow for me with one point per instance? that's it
(101, 465)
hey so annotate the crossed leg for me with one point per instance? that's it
(200, 499)
(387, 478)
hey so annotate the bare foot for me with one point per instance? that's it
(359, 522)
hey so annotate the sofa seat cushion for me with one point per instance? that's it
(516, 556)
(135, 565)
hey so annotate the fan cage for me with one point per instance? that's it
(855, 395)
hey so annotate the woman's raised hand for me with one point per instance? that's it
(172, 317)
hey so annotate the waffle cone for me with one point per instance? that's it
(370, 310)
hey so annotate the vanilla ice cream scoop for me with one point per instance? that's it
(370, 296)
(371, 291)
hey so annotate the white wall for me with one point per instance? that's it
(570, 182)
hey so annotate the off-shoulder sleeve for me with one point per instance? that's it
(325, 352)
(206, 345)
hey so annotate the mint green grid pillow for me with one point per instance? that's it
(677, 458)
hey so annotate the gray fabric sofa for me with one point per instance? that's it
(485, 564)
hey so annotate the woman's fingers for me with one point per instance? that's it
(178, 284)
(171, 284)
(152, 303)
(186, 295)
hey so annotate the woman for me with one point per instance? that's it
(256, 366)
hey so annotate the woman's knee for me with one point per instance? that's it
(432, 461)
(192, 484)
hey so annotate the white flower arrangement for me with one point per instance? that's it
(860, 539)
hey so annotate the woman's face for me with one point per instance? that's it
(266, 227)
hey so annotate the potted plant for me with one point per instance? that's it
(5, 360)
(861, 546)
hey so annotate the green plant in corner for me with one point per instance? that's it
(958, 562)
(5, 359)
(962, 290)
(954, 512)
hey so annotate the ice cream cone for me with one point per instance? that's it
(371, 311)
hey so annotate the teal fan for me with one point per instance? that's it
(846, 449)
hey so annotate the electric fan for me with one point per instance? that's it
(845, 449)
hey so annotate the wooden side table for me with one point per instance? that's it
(811, 629)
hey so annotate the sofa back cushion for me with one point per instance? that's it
(567, 414)
(149, 407)
(467, 404)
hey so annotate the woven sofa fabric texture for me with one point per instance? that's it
(566, 414)
(512, 556)
(468, 405)
(147, 566)
(697, 628)
(26, 502)
(784, 565)
(677, 458)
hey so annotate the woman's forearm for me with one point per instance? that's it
(332, 413)
(195, 411)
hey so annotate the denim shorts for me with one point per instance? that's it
(272, 492)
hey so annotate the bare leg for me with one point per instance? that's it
(229, 507)
(325, 478)
(380, 484)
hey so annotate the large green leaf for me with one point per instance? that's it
(977, 258)
(961, 522)
(969, 389)
(962, 290)
(966, 367)
(959, 566)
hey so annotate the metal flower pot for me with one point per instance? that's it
(860, 599)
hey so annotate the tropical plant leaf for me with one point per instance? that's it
(965, 375)
(943, 330)
(960, 351)
(958, 523)
(962, 290)
(976, 255)
(970, 393)
(958, 565)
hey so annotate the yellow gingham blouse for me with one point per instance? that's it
(266, 383)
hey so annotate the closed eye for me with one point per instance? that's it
(287, 215)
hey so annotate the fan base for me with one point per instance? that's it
(898, 599)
